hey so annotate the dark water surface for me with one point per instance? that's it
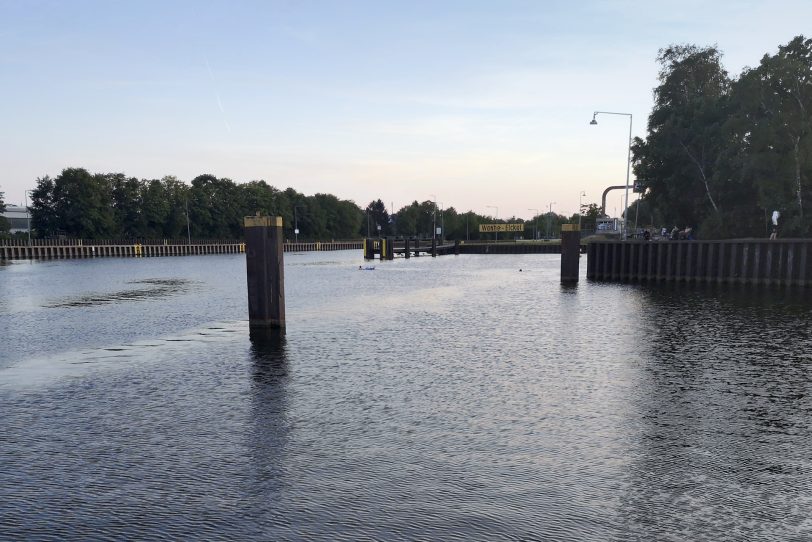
(448, 399)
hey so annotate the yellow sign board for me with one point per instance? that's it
(490, 228)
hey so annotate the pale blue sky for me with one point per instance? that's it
(480, 103)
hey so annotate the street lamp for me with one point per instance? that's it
(434, 217)
(28, 215)
(296, 222)
(536, 232)
(497, 218)
(580, 208)
(442, 222)
(549, 220)
(628, 159)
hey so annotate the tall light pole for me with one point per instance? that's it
(434, 217)
(28, 216)
(497, 218)
(536, 232)
(549, 220)
(580, 208)
(628, 159)
(296, 222)
(442, 222)
(188, 228)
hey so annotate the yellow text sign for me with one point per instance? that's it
(489, 228)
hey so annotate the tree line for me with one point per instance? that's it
(80, 204)
(421, 218)
(721, 153)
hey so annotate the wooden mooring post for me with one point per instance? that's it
(570, 252)
(264, 263)
(370, 246)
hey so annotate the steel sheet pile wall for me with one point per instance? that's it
(749, 261)
(90, 250)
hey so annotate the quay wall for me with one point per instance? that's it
(103, 250)
(780, 262)
(509, 248)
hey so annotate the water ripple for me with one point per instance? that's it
(442, 399)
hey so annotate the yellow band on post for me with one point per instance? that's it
(263, 221)
(570, 227)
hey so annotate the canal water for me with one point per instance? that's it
(455, 398)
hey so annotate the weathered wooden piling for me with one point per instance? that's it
(570, 252)
(406, 252)
(456, 247)
(433, 247)
(265, 268)
(369, 249)
(388, 250)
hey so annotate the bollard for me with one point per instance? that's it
(264, 264)
(369, 249)
(570, 252)
(390, 248)
(406, 247)
(456, 247)
(433, 247)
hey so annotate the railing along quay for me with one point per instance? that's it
(784, 262)
(386, 248)
(106, 249)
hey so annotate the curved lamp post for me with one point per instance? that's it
(434, 217)
(628, 160)
(580, 207)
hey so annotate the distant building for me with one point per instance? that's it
(17, 218)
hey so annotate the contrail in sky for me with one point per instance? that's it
(217, 93)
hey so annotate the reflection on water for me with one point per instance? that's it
(154, 288)
(725, 416)
(270, 424)
(444, 398)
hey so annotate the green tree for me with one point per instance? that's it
(678, 158)
(128, 205)
(340, 219)
(176, 222)
(378, 217)
(214, 208)
(155, 208)
(349, 219)
(406, 219)
(75, 203)
(43, 213)
(259, 196)
(771, 134)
